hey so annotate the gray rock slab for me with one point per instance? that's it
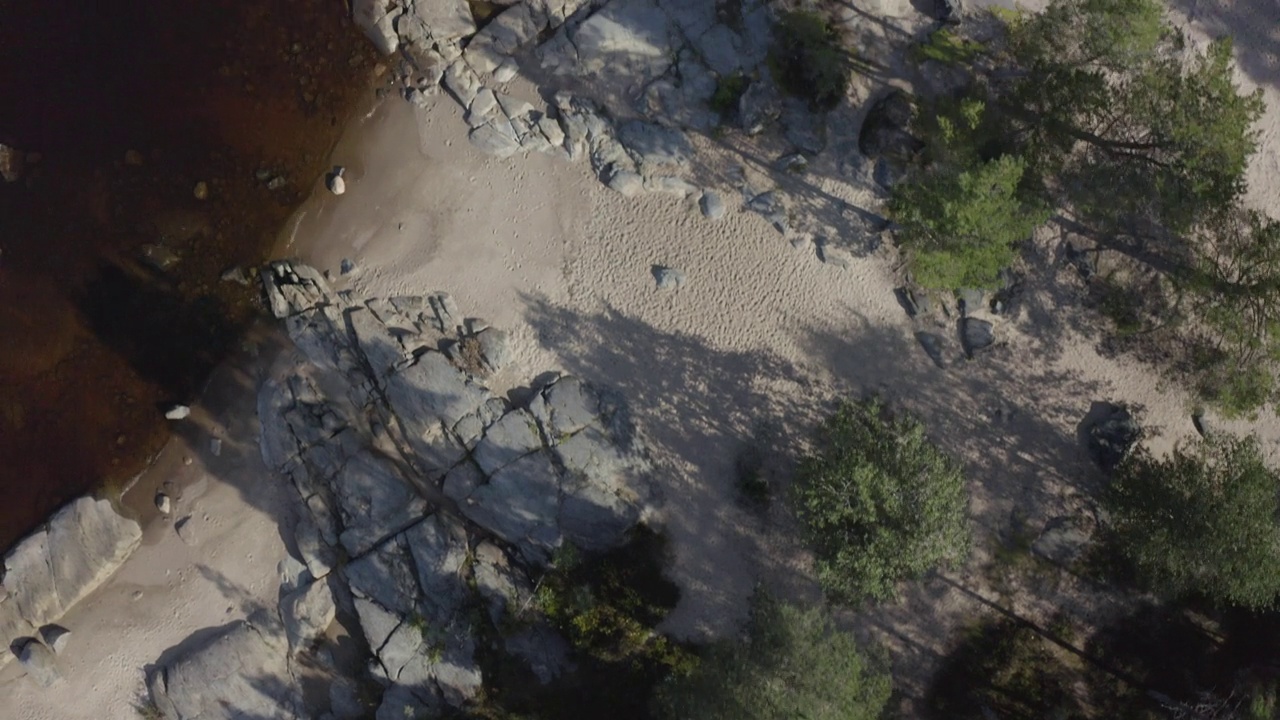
(1063, 540)
(400, 702)
(503, 587)
(445, 19)
(520, 504)
(565, 407)
(433, 390)
(375, 502)
(439, 547)
(493, 139)
(385, 576)
(720, 48)
(510, 438)
(655, 145)
(376, 19)
(307, 612)
(627, 39)
(495, 347)
(462, 481)
(238, 671)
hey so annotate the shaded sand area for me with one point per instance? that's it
(752, 350)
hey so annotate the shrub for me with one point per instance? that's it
(792, 664)
(729, 90)
(1201, 522)
(879, 503)
(808, 60)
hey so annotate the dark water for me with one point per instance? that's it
(121, 107)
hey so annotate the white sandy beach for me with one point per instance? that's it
(762, 333)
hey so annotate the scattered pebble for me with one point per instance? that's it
(163, 504)
(201, 190)
(334, 181)
(347, 266)
(177, 412)
(712, 206)
(667, 278)
(215, 446)
(186, 461)
(235, 275)
(56, 637)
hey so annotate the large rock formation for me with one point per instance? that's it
(52, 569)
(440, 496)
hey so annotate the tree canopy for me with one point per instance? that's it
(879, 503)
(1102, 113)
(791, 664)
(1202, 521)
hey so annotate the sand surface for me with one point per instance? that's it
(759, 342)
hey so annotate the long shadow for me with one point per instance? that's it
(1254, 25)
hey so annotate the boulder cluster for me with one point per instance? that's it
(429, 507)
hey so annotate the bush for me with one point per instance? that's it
(792, 664)
(1201, 522)
(729, 90)
(879, 503)
(807, 59)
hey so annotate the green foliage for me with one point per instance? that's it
(879, 503)
(808, 60)
(961, 225)
(947, 46)
(1201, 522)
(607, 606)
(729, 90)
(1109, 103)
(1007, 670)
(601, 608)
(1233, 293)
(792, 664)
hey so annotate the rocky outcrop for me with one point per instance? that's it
(440, 497)
(51, 570)
(237, 671)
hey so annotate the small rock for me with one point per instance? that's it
(976, 334)
(158, 256)
(712, 206)
(177, 412)
(215, 446)
(334, 181)
(1063, 540)
(667, 278)
(626, 182)
(201, 190)
(970, 300)
(235, 275)
(907, 300)
(39, 662)
(276, 182)
(163, 504)
(831, 255)
(56, 637)
(185, 527)
(1110, 434)
(132, 157)
(506, 72)
(495, 346)
(794, 163)
(11, 163)
(801, 242)
(932, 344)
(347, 266)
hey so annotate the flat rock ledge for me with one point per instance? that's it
(55, 567)
(427, 503)
(644, 73)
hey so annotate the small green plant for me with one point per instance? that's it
(808, 60)
(729, 90)
(946, 46)
(148, 710)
